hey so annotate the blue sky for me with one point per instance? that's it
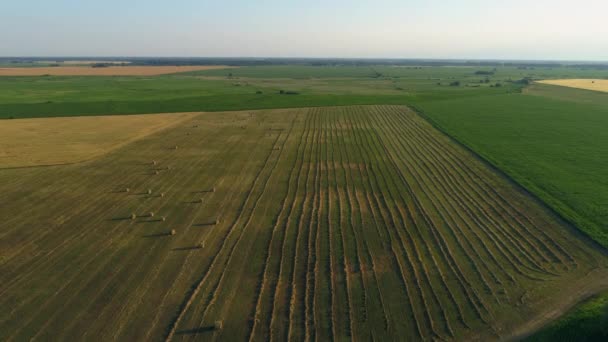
(506, 29)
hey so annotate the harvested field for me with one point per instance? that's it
(106, 71)
(350, 223)
(52, 141)
(588, 84)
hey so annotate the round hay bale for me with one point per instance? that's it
(149, 191)
(218, 325)
(133, 216)
(172, 232)
(162, 194)
(151, 214)
(201, 245)
(127, 189)
(154, 162)
(163, 219)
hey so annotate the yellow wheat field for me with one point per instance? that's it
(589, 84)
(51, 141)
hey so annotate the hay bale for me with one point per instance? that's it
(149, 191)
(175, 147)
(213, 190)
(127, 189)
(218, 325)
(162, 194)
(156, 172)
(200, 245)
(151, 214)
(172, 232)
(163, 219)
(200, 200)
(154, 162)
(217, 221)
(133, 216)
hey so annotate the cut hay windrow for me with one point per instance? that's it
(272, 265)
(271, 168)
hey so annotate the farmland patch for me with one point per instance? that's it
(323, 224)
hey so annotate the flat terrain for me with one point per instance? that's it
(589, 84)
(336, 223)
(52, 141)
(131, 70)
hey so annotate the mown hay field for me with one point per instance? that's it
(128, 70)
(52, 141)
(349, 223)
(588, 84)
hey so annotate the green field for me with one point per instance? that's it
(217, 90)
(589, 322)
(550, 140)
(332, 223)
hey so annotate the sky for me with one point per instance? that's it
(459, 29)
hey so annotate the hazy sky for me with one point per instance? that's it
(503, 29)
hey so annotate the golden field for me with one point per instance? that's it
(588, 84)
(52, 141)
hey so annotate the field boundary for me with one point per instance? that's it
(539, 320)
(519, 187)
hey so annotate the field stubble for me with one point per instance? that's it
(337, 223)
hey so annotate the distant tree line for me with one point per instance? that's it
(243, 61)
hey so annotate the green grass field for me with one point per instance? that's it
(588, 322)
(550, 140)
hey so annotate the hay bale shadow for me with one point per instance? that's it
(205, 224)
(122, 218)
(158, 235)
(195, 331)
(181, 249)
(150, 220)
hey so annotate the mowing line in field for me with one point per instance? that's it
(465, 209)
(539, 267)
(505, 204)
(362, 138)
(247, 223)
(297, 318)
(405, 217)
(442, 239)
(279, 321)
(472, 297)
(211, 300)
(366, 240)
(199, 284)
(277, 241)
(226, 200)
